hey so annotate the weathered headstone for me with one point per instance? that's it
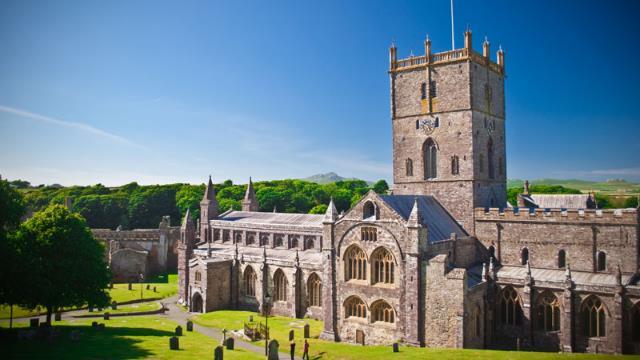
(34, 323)
(130, 286)
(218, 353)
(396, 347)
(94, 324)
(230, 343)
(273, 350)
(291, 335)
(58, 316)
(114, 305)
(107, 316)
(250, 318)
(148, 286)
(154, 289)
(178, 330)
(189, 325)
(306, 331)
(174, 343)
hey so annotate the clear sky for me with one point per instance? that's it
(159, 91)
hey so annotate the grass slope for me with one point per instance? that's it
(140, 337)
(320, 349)
(605, 187)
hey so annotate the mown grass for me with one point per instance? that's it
(135, 337)
(320, 349)
(126, 309)
(166, 286)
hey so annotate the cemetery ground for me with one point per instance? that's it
(325, 350)
(166, 286)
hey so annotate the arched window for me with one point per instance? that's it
(238, 238)
(490, 158)
(432, 89)
(249, 281)
(308, 242)
(368, 234)
(602, 261)
(264, 240)
(382, 311)
(548, 312)
(510, 307)
(279, 286)
(593, 313)
(293, 242)
(455, 165)
(314, 289)
(635, 322)
(562, 259)
(354, 306)
(409, 167)
(277, 241)
(423, 91)
(524, 256)
(369, 211)
(198, 276)
(225, 235)
(250, 239)
(382, 267)
(430, 159)
(355, 264)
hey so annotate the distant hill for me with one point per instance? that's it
(328, 178)
(613, 186)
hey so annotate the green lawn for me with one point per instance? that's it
(123, 338)
(129, 308)
(166, 285)
(320, 349)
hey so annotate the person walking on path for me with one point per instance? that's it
(292, 347)
(305, 354)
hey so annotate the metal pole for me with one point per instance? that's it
(453, 38)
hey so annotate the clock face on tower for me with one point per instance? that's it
(428, 125)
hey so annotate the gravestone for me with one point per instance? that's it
(189, 325)
(101, 326)
(218, 353)
(90, 308)
(291, 335)
(107, 316)
(94, 324)
(306, 331)
(114, 305)
(34, 323)
(148, 286)
(230, 343)
(273, 350)
(178, 330)
(250, 318)
(395, 347)
(174, 343)
(58, 316)
(154, 289)
(130, 286)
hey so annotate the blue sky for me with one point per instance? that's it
(159, 91)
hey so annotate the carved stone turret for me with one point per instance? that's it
(208, 211)
(250, 202)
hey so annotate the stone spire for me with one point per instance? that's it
(209, 192)
(331, 215)
(415, 217)
(250, 202)
(208, 210)
(188, 221)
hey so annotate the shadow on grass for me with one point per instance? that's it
(110, 343)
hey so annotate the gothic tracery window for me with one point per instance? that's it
(355, 307)
(279, 286)
(383, 312)
(250, 239)
(355, 264)
(382, 267)
(368, 233)
(314, 289)
(278, 241)
(593, 313)
(409, 167)
(198, 276)
(510, 307)
(548, 312)
(430, 159)
(249, 278)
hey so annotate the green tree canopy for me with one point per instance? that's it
(381, 187)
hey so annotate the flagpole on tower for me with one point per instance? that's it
(453, 38)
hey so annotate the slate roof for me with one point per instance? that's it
(269, 218)
(560, 201)
(439, 222)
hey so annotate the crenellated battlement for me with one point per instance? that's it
(611, 216)
(428, 59)
(130, 235)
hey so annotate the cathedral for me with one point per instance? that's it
(443, 260)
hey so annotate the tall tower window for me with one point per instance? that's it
(602, 261)
(432, 89)
(562, 259)
(524, 256)
(430, 158)
(510, 307)
(409, 167)
(455, 165)
(548, 313)
(490, 158)
(423, 91)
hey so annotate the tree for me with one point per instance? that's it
(381, 187)
(630, 202)
(188, 197)
(103, 211)
(148, 205)
(318, 209)
(67, 265)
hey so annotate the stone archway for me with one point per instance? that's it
(197, 303)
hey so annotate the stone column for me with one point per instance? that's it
(616, 326)
(566, 323)
(329, 306)
(527, 308)
(498, 254)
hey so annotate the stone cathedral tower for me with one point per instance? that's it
(448, 120)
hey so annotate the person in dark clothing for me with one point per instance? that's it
(292, 347)
(305, 354)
